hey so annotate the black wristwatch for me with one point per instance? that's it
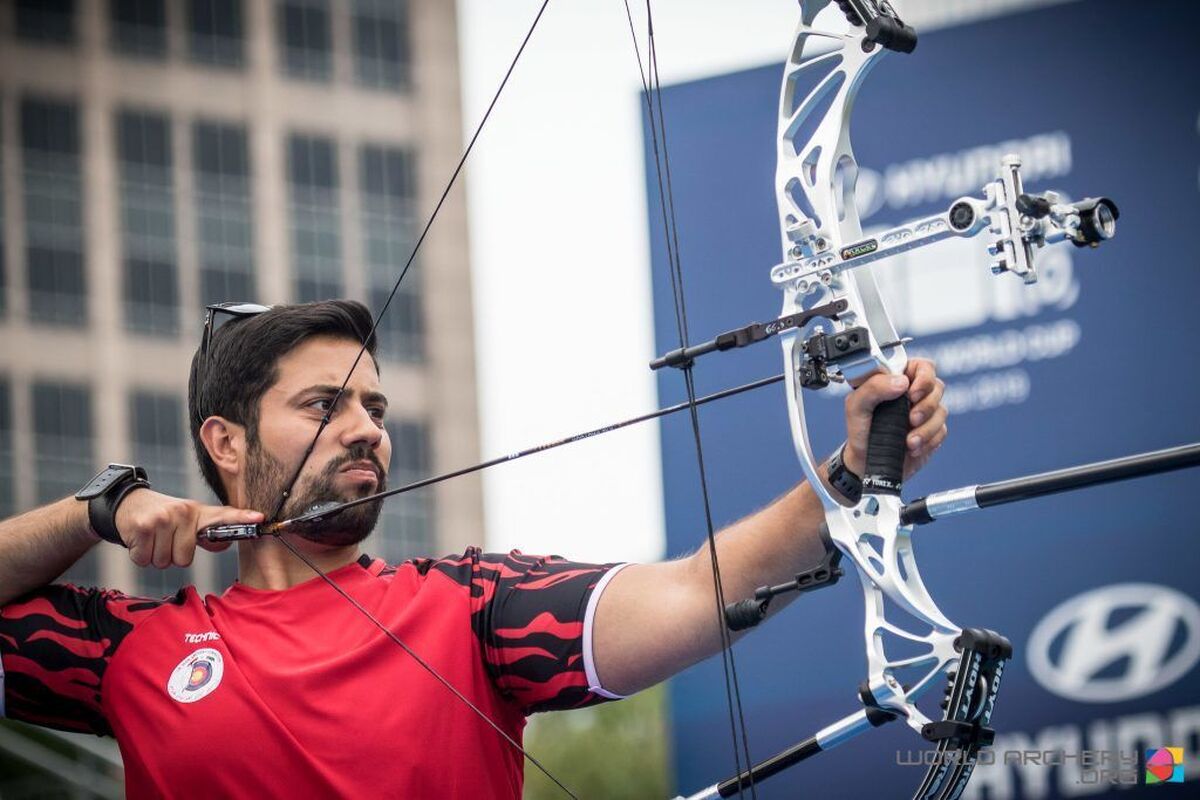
(844, 482)
(105, 492)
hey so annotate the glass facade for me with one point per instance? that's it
(154, 160)
(406, 528)
(3, 233)
(46, 21)
(216, 32)
(50, 162)
(224, 231)
(138, 28)
(63, 453)
(8, 486)
(150, 275)
(388, 184)
(381, 48)
(305, 38)
(160, 445)
(315, 218)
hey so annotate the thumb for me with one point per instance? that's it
(879, 388)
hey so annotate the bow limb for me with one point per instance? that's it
(815, 181)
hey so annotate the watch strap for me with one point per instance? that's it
(843, 481)
(104, 494)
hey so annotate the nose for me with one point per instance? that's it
(359, 427)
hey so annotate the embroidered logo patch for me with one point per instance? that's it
(197, 676)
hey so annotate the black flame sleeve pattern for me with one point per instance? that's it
(55, 645)
(529, 614)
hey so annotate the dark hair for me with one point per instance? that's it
(242, 363)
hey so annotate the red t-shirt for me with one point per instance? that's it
(295, 693)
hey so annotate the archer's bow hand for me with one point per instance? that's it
(926, 419)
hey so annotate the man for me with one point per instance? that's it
(279, 686)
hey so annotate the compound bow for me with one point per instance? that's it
(835, 327)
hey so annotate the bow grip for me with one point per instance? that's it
(886, 447)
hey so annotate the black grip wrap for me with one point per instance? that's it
(886, 446)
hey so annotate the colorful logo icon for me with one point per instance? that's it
(197, 676)
(1164, 765)
(201, 672)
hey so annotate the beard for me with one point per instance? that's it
(266, 479)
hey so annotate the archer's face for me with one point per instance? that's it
(350, 459)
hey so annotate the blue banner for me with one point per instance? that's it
(1097, 589)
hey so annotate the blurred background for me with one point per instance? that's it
(160, 155)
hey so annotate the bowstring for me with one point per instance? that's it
(325, 419)
(328, 416)
(423, 663)
(652, 91)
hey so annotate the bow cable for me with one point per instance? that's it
(652, 91)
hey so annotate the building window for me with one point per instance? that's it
(53, 212)
(388, 184)
(150, 275)
(215, 32)
(305, 39)
(315, 218)
(3, 249)
(138, 27)
(63, 461)
(406, 526)
(46, 20)
(156, 427)
(8, 479)
(224, 231)
(381, 52)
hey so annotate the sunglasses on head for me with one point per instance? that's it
(236, 310)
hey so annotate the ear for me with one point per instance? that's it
(225, 442)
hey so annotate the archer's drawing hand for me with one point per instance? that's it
(926, 419)
(162, 530)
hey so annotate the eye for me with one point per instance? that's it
(322, 404)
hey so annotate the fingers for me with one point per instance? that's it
(876, 389)
(162, 531)
(163, 541)
(922, 379)
(922, 414)
(141, 549)
(927, 415)
(183, 548)
(920, 437)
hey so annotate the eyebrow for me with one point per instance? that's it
(331, 389)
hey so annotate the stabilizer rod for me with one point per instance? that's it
(971, 498)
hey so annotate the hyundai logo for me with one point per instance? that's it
(1116, 643)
